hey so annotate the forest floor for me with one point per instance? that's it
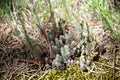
(76, 47)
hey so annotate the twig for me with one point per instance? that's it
(107, 65)
(29, 61)
(31, 77)
(43, 75)
(43, 32)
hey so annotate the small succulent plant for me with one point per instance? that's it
(58, 58)
(68, 36)
(57, 64)
(88, 62)
(78, 31)
(70, 62)
(65, 52)
(83, 67)
(55, 49)
(84, 63)
(61, 42)
(57, 61)
(57, 42)
(82, 59)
